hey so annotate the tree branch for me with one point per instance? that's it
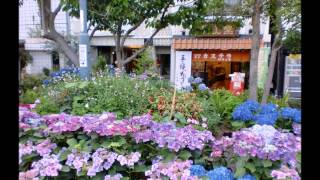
(149, 40)
(141, 49)
(130, 30)
(92, 32)
(56, 11)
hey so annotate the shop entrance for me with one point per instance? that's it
(214, 66)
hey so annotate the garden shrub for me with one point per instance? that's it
(46, 71)
(47, 106)
(100, 64)
(29, 97)
(31, 81)
(143, 63)
(123, 95)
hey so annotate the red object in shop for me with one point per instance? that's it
(237, 83)
(236, 87)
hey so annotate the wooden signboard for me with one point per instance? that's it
(220, 56)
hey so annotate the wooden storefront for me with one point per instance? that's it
(213, 59)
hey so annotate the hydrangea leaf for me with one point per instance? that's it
(180, 117)
(237, 124)
(72, 142)
(65, 168)
(251, 167)
(140, 168)
(184, 155)
(63, 156)
(240, 172)
(266, 163)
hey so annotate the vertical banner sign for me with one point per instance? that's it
(81, 20)
(83, 55)
(183, 68)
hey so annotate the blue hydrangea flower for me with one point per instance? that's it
(202, 87)
(291, 113)
(197, 80)
(220, 173)
(268, 108)
(197, 170)
(34, 122)
(188, 88)
(242, 113)
(46, 82)
(190, 79)
(251, 105)
(247, 177)
(297, 116)
(267, 119)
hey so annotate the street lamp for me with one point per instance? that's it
(84, 62)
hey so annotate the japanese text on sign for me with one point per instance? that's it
(83, 55)
(183, 68)
(213, 56)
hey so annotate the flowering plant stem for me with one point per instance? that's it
(173, 102)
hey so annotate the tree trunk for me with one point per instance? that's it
(274, 51)
(67, 50)
(267, 85)
(255, 47)
(50, 32)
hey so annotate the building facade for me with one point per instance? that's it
(163, 46)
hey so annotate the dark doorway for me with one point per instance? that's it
(164, 60)
(55, 61)
(105, 52)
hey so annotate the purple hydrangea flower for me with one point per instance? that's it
(47, 166)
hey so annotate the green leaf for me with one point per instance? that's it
(99, 176)
(72, 142)
(237, 124)
(82, 137)
(83, 84)
(140, 168)
(65, 168)
(168, 155)
(240, 163)
(266, 163)
(199, 161)
(251, 167)
(70, 85)
(36, 134)
(105, 144)
(184, 155)
(180, 117)
(114, 144)
(240, 172)
(63, 156)
(94, 136)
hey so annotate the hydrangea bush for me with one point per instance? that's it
(268, 114)
(102, 147)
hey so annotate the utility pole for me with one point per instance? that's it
(84, 62)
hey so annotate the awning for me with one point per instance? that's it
(213, 43)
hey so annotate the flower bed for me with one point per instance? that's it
(99, 146)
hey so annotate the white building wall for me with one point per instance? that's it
(28, 17)
(40, 60)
